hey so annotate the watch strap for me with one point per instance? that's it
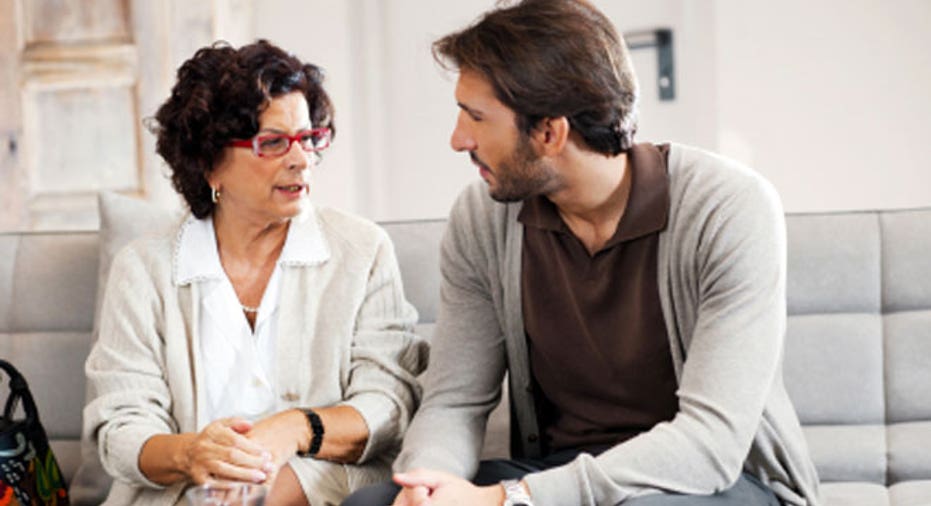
(514, 494)
(316, 428)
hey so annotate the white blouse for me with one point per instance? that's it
(238, 362)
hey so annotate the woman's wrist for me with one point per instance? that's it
(183, 455)
(345, 434)
(166, 458)
(304, 432)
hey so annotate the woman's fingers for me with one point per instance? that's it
(239, 425)
(237, 456)
(221, 470)
(220, 452)
(216, 462)
(227, 432)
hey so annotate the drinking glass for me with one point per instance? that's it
(227, 494)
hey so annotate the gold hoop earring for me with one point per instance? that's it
(214, 194)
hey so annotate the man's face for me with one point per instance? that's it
(487, 129)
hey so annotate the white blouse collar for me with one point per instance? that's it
(196, 256)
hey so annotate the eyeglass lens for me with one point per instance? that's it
(309, 140)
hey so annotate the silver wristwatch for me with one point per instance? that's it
(514, 494)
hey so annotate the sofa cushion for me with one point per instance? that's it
(908, 365)
(909, 455)
(843, 355)
(418, 254)
(825, 278)
(910, 493)
(848, 452)
(123, 219)
(41, 356)
(906, 260)
(854, 494)
(50, 275)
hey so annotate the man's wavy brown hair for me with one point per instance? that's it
(551, 59)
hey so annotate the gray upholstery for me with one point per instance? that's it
(857, 356)
(47, 288)
(858, 351)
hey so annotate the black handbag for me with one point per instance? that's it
(29, 473)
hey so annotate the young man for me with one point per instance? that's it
(635, 294)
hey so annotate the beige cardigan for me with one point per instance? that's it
(345, 337)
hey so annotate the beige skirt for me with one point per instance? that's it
(328, 483)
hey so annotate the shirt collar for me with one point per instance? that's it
(647, 205)
(305, 244)
(197, 258)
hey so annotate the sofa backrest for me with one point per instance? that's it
(858, 344)
(47, 291)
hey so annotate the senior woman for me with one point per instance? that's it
(266, 340)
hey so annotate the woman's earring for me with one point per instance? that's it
(214, 194)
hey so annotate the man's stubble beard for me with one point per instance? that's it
(523, 176)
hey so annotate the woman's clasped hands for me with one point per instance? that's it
(222, 451)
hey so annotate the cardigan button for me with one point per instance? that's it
(289, 397)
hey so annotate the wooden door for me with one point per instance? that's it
(78, 78)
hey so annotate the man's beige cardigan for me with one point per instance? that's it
(345, 337)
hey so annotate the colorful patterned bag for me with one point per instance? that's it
(29, 473)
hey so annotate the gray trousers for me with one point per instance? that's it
(748, 491)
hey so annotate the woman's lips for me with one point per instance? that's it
(292, 189)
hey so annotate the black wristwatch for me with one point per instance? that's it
(316, 427)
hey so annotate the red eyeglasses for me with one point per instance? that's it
(271, 145)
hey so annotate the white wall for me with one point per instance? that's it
(831, 100)
(827, 99)
(322, 32)
(394, 107)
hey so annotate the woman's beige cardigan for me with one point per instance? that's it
(345, 337)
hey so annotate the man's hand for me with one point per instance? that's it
(423, 487)
(412, 496)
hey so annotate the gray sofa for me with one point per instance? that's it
(857, 358)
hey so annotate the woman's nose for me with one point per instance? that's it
(299, 159)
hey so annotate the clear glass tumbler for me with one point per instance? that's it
(227, 494)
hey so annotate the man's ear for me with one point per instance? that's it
(550, 135)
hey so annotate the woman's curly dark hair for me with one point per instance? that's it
(219, 96)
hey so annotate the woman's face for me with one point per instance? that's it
(267, 189)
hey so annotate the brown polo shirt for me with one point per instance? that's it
(599, 352)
